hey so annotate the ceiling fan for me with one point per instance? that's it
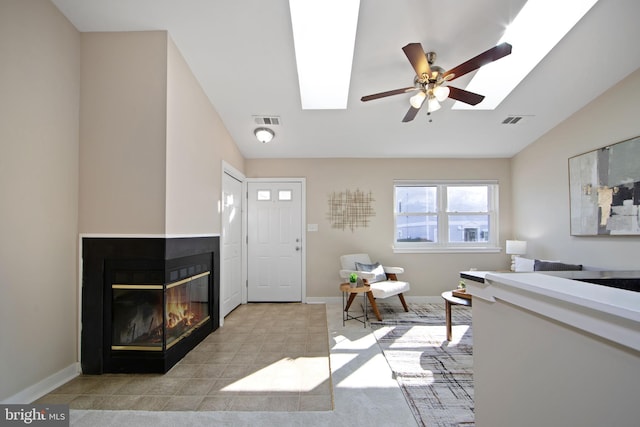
(430, 79)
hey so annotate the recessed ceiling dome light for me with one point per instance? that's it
(264, 135)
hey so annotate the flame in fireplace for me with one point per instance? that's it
(178, 308)
(179, 313)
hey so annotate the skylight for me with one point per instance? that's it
(539, 26)
(324, 35)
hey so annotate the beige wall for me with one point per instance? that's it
(197, 143)
(152, 144)
(123, 132)
(39, 83)
(429, 274)
(541, 182)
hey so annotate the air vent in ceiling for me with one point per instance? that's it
(267, 120)
(511, 120)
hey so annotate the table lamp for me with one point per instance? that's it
(515, 248)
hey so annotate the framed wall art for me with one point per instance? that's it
(604, 190)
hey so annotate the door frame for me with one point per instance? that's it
(236, 174)
(303, 231)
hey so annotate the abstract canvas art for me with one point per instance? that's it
(350, 209)
(604, 188)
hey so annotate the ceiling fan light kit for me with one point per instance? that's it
(430, 79)
(417, 99)
(264, 135)
(441, 93)
(433, 105)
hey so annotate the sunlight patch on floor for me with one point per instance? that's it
(340, 360)
(367, 374)
(343, 343)
(301, 374)
(458, 332)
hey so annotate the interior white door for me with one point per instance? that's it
(274, 231)
(231, 280)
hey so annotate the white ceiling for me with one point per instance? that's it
(242, 53)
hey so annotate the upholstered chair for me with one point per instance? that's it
(382, 280)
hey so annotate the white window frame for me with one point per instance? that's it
(443, 245)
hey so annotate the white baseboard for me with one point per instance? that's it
(324, 300)
(39, 389)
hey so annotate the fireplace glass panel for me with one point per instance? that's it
(187, 306)
(146, 315)
(137, 317)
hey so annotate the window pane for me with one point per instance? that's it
(284, 195)
(417, 228)
(467, 199)
(416, 199)
(264, 195)
(468, 228)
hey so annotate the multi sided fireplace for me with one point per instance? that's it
(146, 302)
(150, 317)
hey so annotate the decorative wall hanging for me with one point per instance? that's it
(350, 209)
(604, 188)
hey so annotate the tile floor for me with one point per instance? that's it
(267, 357)
(363, 389)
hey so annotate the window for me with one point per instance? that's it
(285, 195)
(264, 195)
(445, 216)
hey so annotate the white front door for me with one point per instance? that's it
(274, 229)
(231, 282)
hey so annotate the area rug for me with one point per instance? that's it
(427, 313)
(435, 375)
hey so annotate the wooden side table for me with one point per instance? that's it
(449, 300)
(346, 289)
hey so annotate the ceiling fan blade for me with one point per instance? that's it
(415, 55)
(411, 114)
(464, 96)
(476, 62)
(388, 93)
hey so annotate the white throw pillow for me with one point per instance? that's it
(523, 265)
(375, 268)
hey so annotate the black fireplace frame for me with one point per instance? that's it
(156, 259)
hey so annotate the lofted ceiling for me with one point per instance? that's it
(241, 52)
